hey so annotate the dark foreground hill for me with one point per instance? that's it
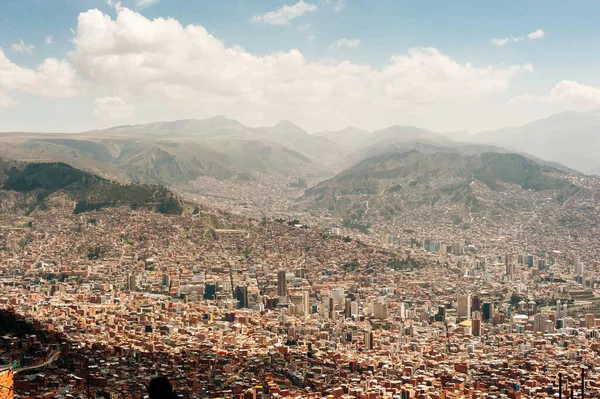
(27, 186)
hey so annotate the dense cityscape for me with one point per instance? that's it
(299, 199)
(226, 306)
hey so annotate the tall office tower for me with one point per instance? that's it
(210, 291)
(510, 271)
(539, 322)
(457, 248)
(331, 306)
(441, 314)
(369, 340)
(131, 283)
(306, 303)
(301, 302)
(348, 308)
(354, 308)
(590, 320)
(338, 295)
(241, 295)
(463, 306)
(166, 280)
(475, 303)
(476, 327)
(282, 289)
(487, 311)
(578, 268)
(558, 314)
(380, 310)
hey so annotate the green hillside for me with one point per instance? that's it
(38, 181)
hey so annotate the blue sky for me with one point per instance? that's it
(321, 64)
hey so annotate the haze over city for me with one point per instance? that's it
(335, 199)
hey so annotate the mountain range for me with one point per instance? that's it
(336, 167)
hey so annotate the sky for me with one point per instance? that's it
(76, 65)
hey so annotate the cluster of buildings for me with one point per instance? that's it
(231, 307)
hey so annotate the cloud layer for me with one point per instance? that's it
(535, 35)
(285, 14)
(22, 47)
(53, 78)
(160, 64)
(352, 43)
(567, 93)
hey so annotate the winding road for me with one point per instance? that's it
(53, 357)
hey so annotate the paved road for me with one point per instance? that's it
(53, 357)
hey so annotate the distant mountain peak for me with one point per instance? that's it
(287, 128)
(288, 124)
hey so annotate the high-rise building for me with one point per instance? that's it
(338, 295)
(301, 302)
(487, 311)
(539, 323)
(578, 268)
(131, 283)
(475, 304)
(166, 280)
(369, 341)
(510, 271)
(354, 308)
(463, 307)
(348, 308)
(210, 291)
(241, 295)
(282, 289)
(380, 310)
(590, 320)
(457, 248)
(476, 327)
(331, 307)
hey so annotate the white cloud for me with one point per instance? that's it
(503, 41)
(141, 4)
(49, 40)
(170, 71)
(537, 34)
(53, 78)
(339, 5)
(352, 43)
(22, 47)
(112, 108)
(304, 27)
(310, 38)
(285, 14)
(567, 93)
